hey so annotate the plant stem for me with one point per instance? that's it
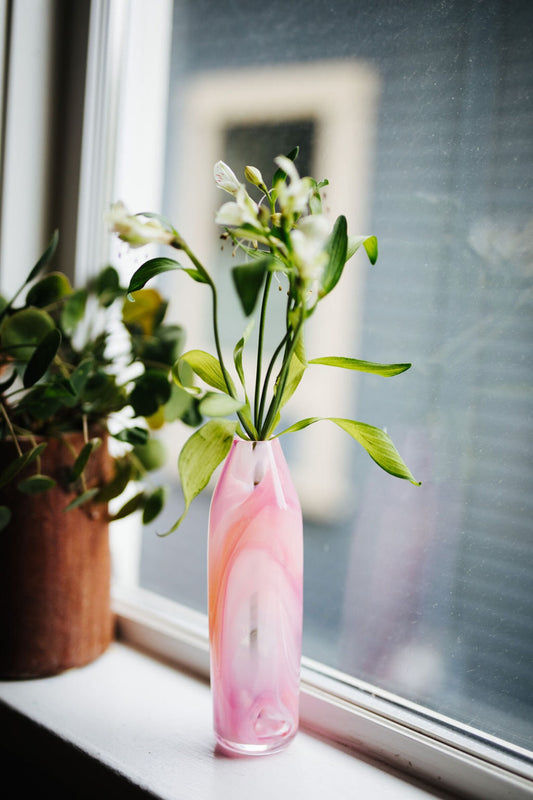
(257, 414)
(199, 266)
(276, 400)
(10, 426)
(275, 355)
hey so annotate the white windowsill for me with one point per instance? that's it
(128, 725)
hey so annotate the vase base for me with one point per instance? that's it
(266, 749)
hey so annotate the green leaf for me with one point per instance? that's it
(83, 457)
(36, 484)
(153, 506)
(152, 454)
(238, 351)
(214, 404)
(46, 257)
(336, 248)
(48, 290)
(200, 456)
(248, 280)
(79, 377)
(371, 246)
(386, 370)
(156, 266)
(81, 499)
(73, 310)
(208, 369)
(5, 517)
(294, 376)
(42, 357)
(21, 332)
(376, 442)
(280, 174)
(117, 484)
(19, 463)
(135, 435)
(107, 286)
(130, 506)
(151, 390)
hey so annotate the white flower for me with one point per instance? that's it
(134, 231)
(244, 211)
(308, 242)
(293, 197)
(225, 178)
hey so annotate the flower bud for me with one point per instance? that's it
(253, 175)
(225, 178)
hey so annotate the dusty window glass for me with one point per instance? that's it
(424, 592)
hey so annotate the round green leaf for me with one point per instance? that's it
(152, 454)
(153, 505)
(21, 332)
(151, 390)
(48, 290)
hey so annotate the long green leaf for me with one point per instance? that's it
(337, 248)
(156, 266)
(386, 370)
(19, 463)
(36, 484)
(46, 257)
(5, 517)
(199, 457)
(376, 442)
(80, 499)
(83, 457)
(294, 376)
(208, 368)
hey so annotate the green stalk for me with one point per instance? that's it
(275, 355)
(257, 414)
(183, 246)
(276, 400)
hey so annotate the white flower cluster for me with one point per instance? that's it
(307, 233)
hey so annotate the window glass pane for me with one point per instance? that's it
(422, 112)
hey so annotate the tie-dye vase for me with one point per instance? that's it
(255, 600)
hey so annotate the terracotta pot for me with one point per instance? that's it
(55, 610)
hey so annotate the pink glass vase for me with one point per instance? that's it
(255, 600)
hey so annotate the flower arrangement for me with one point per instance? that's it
(283, 236)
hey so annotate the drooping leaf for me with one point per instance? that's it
(83, 457)
(81, 499)
(130, 506)
(208, 369)
(214, 404)
(134, 435)
(36, 484)
(153, 505)
(371, 246)
(248, 280)
(48, 290)
(376, 442)
(19, 463)
(42, 357)
(238, 352)
(336, 248)
(117, 484)
(21, 332)
(5, 517)
(200, 456)
(386, 370)
(156, 266)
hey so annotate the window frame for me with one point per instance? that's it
(347, 712)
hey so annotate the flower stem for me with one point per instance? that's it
(258, 414)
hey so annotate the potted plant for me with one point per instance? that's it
(79, 368)
(255, 527)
